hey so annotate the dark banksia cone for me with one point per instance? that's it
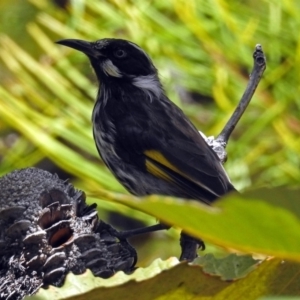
(47, 230)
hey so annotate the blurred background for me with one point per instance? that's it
(203, 51)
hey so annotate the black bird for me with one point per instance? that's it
(146, 141)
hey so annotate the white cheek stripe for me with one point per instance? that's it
(110, 69)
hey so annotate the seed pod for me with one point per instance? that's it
(48, 230)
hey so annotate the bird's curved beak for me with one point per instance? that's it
(80, 45)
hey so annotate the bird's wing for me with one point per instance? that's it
(193, 179)
(187, 161)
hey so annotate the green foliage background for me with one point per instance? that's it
(205, 47)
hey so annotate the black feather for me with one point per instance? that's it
(144, 139)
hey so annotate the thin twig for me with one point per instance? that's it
(256, 74)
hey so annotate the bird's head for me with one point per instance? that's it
(114, 58)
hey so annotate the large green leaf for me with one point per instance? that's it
(263, 221)
(179, 281)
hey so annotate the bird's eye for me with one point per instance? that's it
(119, 53)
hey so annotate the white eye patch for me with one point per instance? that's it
(110, 69)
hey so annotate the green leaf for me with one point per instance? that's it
(265, 221)
(229, 268)
(175, 280)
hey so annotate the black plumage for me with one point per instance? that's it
(145, 139)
